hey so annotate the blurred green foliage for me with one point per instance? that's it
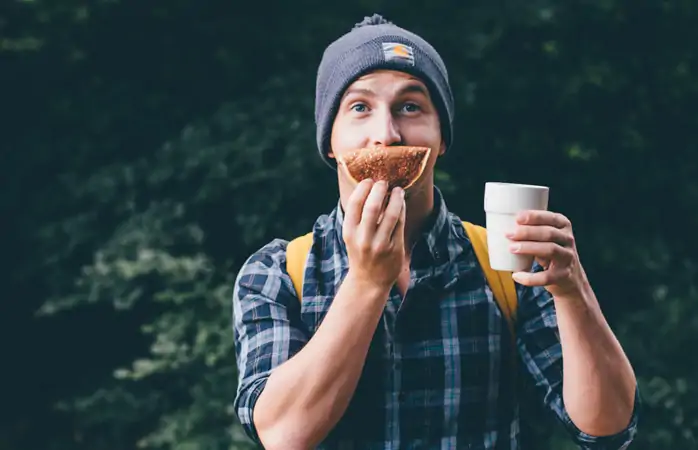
(148, 149)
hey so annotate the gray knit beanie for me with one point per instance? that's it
(376, 44)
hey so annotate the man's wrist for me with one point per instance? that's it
(580, 304)
(365, 287)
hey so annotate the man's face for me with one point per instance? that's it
(387, 108)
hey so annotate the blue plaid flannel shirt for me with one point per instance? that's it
(437, 373)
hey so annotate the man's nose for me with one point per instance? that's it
(385, 130)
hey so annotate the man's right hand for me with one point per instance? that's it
(375, 244)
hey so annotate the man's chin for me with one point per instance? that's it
(417, 189)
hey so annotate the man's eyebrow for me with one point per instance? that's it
(359, 91)
(413, 89)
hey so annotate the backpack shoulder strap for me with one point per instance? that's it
(501, 283)
(296, 254)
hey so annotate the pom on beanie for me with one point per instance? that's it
(375, 19)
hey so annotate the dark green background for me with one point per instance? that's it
(148, 147)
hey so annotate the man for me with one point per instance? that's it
(398, 342)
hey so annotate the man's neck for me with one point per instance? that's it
(419, 208)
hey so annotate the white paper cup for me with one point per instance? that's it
(502, 202)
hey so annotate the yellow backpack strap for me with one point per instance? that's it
(296, 255)
(501, 283)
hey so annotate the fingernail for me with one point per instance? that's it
(517, 276)
(402, 193)
(515, 248)
(509, 234)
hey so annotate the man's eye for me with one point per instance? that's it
(359, 108)
(410, 107)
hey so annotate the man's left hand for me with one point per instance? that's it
(548, 237)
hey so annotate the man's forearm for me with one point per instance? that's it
(598, 380)
(307, 395)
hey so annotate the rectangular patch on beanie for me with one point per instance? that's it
(402, 52)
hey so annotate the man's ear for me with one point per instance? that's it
(442, 148)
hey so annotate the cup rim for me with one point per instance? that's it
(501, 183)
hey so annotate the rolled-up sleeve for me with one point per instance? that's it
(266, 326)
(538, 342)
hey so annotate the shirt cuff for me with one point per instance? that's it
(246, 409)
(618, 441)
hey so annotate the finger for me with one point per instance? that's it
(398, 236)
(537, 217)
(386, 201)
(543, 250)
(545, 278)
(356, 201)
(391, 216)
(542, 233)
(374, 205)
